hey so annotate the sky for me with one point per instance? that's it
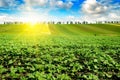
(59, 10)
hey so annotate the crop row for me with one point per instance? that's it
(59, 62)
(59, 58)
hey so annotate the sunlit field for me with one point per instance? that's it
(59, 51)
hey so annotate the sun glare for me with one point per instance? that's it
(32, 22)
(37, 29)
(33, 25)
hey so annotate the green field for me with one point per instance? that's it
(60, 52)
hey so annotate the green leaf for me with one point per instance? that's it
(13, 70)
(10, 62)
(95, 60)
(30, 75)
(2, 69)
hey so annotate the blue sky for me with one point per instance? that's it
(59, 10)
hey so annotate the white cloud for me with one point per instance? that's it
(114, 16)
(2, 17)
(109, 17)
(69, 5)
(94, 10)
(6, 17)
(66, 5)
(49, 3)
(36, 2)
(43, 6)
(93, 7)
(25, 17)
(52, 3)
(70, 17)
(8, 3)
(60, 4)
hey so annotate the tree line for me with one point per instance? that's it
(68, 22)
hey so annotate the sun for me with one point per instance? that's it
(34, 25)
(32, 21)
(31, 18)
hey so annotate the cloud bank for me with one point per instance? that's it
(88, 10)
(102, 10)
(94, 7)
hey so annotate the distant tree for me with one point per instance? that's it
(15, 22)
(67, 22)
(79, 22)
(4, 22)
(109, 22)
(53, 22)
(71, 22)
(105, 22)
(48, 22)
(84, 22)
(112, 22)
(58, 22)
(117, 22)
(76, 22)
